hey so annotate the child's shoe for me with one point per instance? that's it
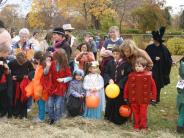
(37, 120)
(51, 122)
(179, 129)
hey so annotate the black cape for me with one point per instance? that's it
(112, 105)
(161, 68)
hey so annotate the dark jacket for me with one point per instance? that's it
(66, 46)
(119, 73)
(161, 68)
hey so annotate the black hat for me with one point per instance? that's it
(158, 35)
(59, 31)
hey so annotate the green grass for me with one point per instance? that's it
(164, 115)
(161, 122)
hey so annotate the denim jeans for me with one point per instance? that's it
(41, 109)
(29, 102)
(46, 107)
(56, 107)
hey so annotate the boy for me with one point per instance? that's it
(139, 91)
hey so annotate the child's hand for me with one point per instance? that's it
(48, 63)
(14, 78)
(157, 58)
(126, 101)
(6, 66)
(81, 96)
(60, 80)
(111, 81)
(153, 102)
(26, 76)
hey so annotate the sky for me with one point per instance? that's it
(177, 5)
(26, 4)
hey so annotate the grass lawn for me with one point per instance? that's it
(161, 122)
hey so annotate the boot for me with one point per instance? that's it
(179, 129)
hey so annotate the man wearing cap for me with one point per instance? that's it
(162, 60)
(61, 42)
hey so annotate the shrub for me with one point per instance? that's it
(176, 46)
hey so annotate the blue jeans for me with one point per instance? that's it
(46, 107)
(41, 109)
(56, 107)
(29, 102)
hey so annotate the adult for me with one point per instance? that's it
(106, 51)
(69, 36)
(46, 44)
(61, 42)
(162, 60)
(5, 42)
(92, 44)
(131, 52)
(23, 44)
(72, 42)
(84, 56)
(5, 78)
(34, 42)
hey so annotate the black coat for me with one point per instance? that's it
(161, 68)
(119, 74)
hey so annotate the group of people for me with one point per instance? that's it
(59, 75)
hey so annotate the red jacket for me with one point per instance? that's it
(140, 88)
(58, 88)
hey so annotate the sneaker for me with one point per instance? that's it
(28, 110)
(37, 120)
(51, 122)
(179, 129)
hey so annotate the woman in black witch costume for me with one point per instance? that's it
(162, 60)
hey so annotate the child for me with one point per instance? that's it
(139, 91)
(60, 76)
(111, 42)
(38, 88)
(84, 56)
(20, 68)
(94, 85)
(180, 98)
(116, 71)
(76, 94)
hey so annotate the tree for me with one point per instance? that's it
(168, 15)
(41, 14)
(9, 14)
(149, 17)
(2, 2)
(124, 9)
(181, 20)
(89, 9)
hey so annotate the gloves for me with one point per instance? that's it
(126, 101)
(153, 102)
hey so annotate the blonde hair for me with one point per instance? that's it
(114, 28)
(128, 43)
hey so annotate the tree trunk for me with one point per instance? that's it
(95, 22)
(120, 24)
(85, 15)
